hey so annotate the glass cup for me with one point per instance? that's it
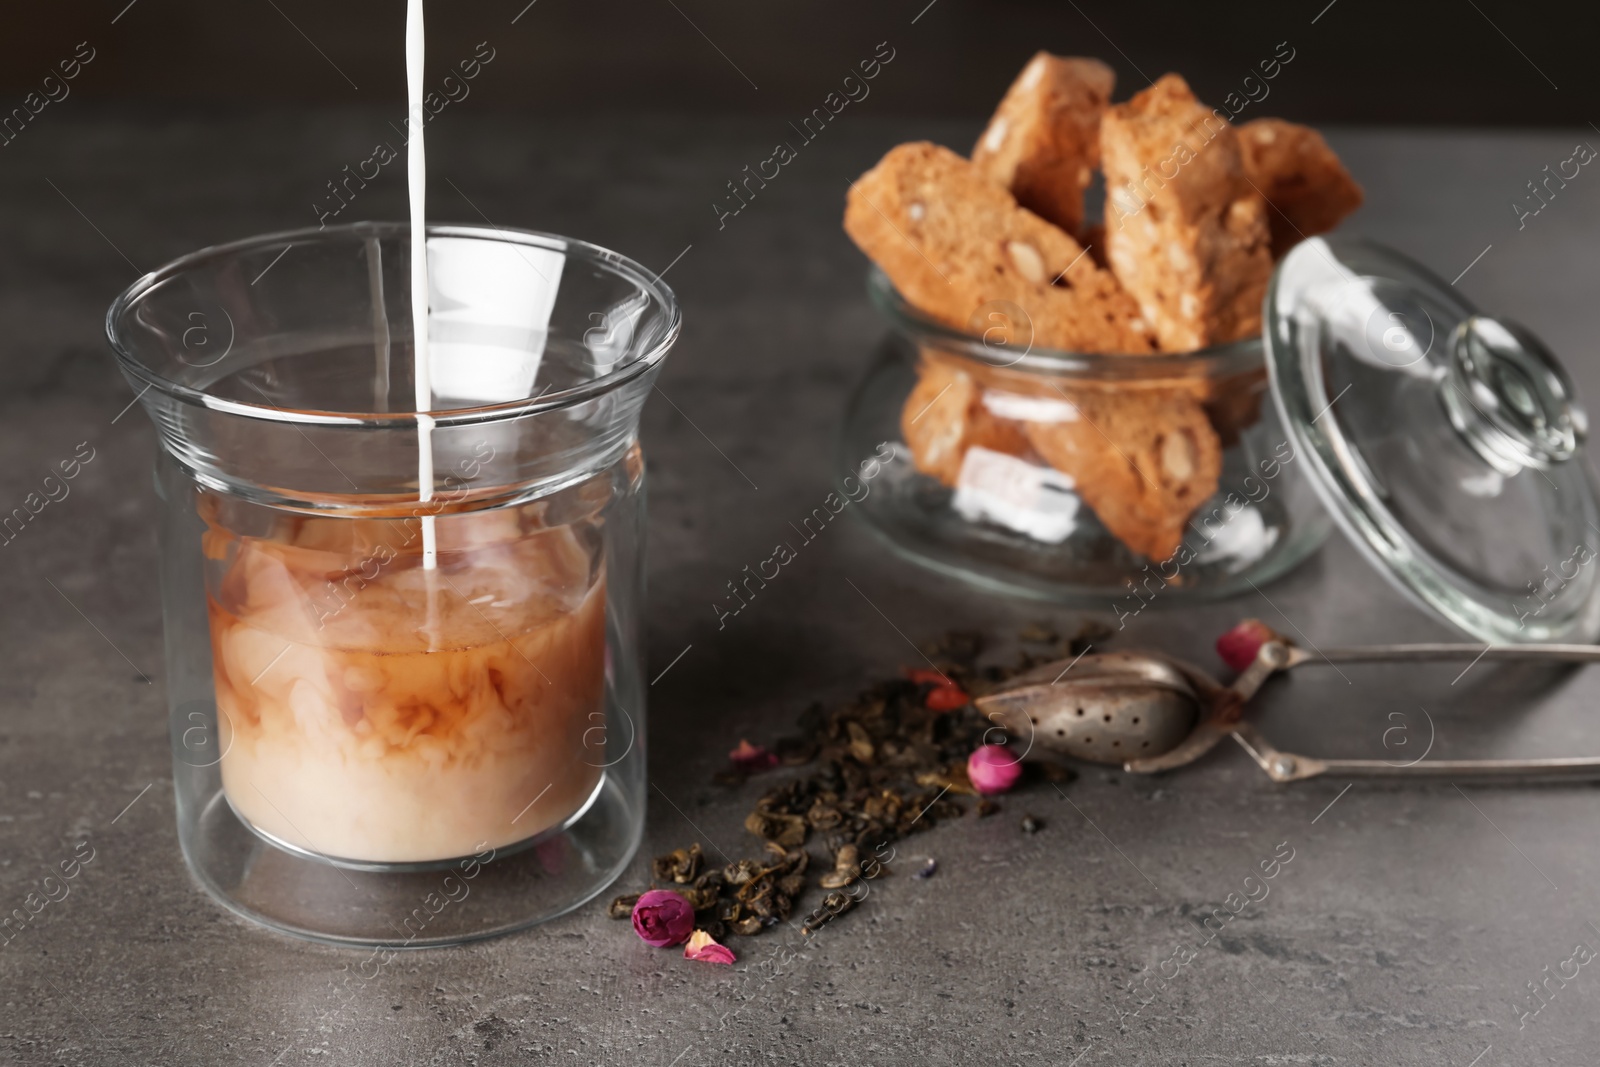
(403, 714)
(993, 511)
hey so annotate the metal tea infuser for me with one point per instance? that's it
(1152, 713)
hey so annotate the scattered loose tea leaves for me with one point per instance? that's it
(1030, 825)
(893, 761)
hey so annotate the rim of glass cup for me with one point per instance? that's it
(646, 280)
(1234, 357)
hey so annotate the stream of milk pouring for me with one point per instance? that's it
(417, 175)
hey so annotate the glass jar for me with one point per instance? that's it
(946, 430)
(407, 707)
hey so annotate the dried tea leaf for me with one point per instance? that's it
(764, 907)
(681, 866)
(953, 778)
(786, 830)
(741, 872)
(846, 868)
(884, 806)
(824, 816)
(701, 899)
(860, 743)
(755, 889)
(833, 905)
(622, 907)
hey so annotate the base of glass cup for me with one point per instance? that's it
(380, 867)
(913, 515)
(414, 905)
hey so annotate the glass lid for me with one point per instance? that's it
(1447, 444)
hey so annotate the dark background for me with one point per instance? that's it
(1455, 62)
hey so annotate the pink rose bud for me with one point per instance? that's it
(663, 918)
(752, 758)
(702, 946)
(1238, 647)
(993, 769)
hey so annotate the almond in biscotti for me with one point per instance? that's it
(955, 244)
(1043, 142)
(1143, 460)
(1307, 188)
(1186, 232)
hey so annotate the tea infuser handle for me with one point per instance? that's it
(1421, 653)
(1288, 767)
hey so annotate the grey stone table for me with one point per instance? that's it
(1404, 930)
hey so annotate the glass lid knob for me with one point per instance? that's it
(1509, 398)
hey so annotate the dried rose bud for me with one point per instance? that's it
(993, 769)
(752, 758)
(945, 695)
(703, 947)
(663, 918)
(1238, 647)
(946, 698)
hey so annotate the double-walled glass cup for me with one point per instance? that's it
(983, 504)
(406, 704)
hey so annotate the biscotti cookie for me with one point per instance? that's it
(1043, 142)
(1308, 189)
(952, 242)
(1186, 234)
(945, 415)
(1142, 461)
